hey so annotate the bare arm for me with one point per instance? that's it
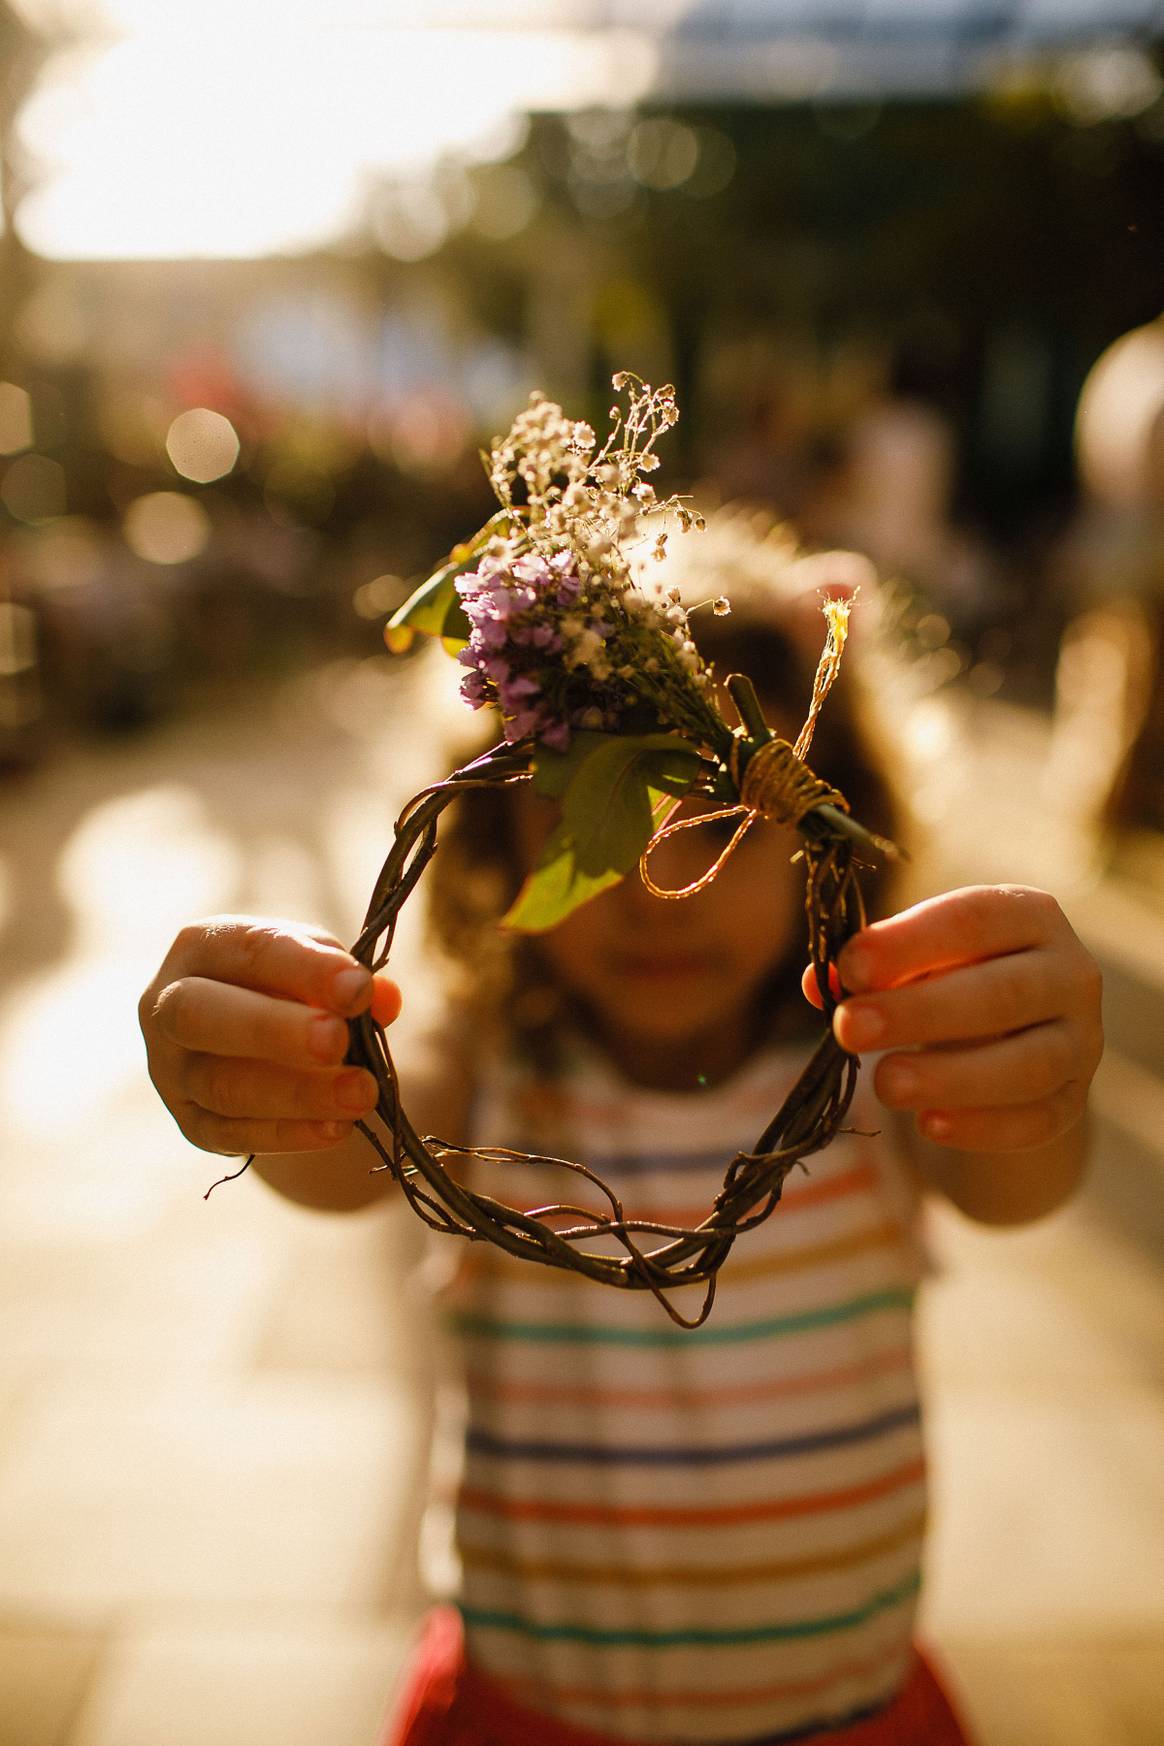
(988, 1008)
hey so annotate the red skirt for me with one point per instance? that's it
(445, 1702)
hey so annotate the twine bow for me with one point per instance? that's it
(776, 783)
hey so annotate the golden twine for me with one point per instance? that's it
(777, 784)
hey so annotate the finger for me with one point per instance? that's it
(250, 1089)
(1017, 1128)
(960, 927)
(979, 1000)
(219, 1018)
(278, 959)
(217, 1133)
(387, 1000)
(811, 986)
(1012, 1070)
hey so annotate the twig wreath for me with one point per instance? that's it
(608, 708)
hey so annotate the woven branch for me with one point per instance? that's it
(807, 1120)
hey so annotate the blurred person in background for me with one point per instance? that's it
(1107, 754)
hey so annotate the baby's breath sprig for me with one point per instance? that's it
(560, 637)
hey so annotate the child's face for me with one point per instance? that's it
(672, 986)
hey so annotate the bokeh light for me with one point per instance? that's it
(203, 445)
(34, 489)
(17, 639)
(204, 167)
(506, 201)
(663, 153)
(1107, 84)
(68, 554)
(1121, 402)
(15, 419)
(379, 597)
(166, 527)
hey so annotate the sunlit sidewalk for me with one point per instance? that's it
(214, 1412)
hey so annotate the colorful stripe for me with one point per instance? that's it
(579, 1333)
(497, 1264)
(615, 1637)
(516, 1391)
(532, 1690)
(801, 1197)
(485, 1502)
(482, 1442)
(621, 1575)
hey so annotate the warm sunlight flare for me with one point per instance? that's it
(240, 141)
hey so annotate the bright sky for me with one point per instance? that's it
(229, 132)
(241, 128)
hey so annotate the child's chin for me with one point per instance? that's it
(669, 1011)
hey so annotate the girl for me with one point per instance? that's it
(667, 1535)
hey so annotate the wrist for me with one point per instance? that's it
(1004, 1188)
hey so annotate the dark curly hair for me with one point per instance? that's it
(500, 979)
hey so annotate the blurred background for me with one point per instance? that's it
(269, 277)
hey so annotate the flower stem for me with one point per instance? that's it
(743, 695)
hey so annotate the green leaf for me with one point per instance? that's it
(556, 887)
(613, 789)
(608, 806)
(554, 771)
(435, 607)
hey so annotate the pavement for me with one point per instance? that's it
(214, 1414)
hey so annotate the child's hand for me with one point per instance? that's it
(997, 1004)
(245, 1033)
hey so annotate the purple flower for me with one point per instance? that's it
(489, 633)
(521, 723)
(556, 735)
(515, 691)
(531, 568)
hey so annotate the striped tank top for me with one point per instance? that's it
(691, 1536)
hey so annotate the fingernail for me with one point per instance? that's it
(327, 1037)
(351, 986)
(863, 1026)
(901, 1083)
(356, 1090)
(334, 1130)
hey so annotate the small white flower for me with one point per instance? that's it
(585, 650)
